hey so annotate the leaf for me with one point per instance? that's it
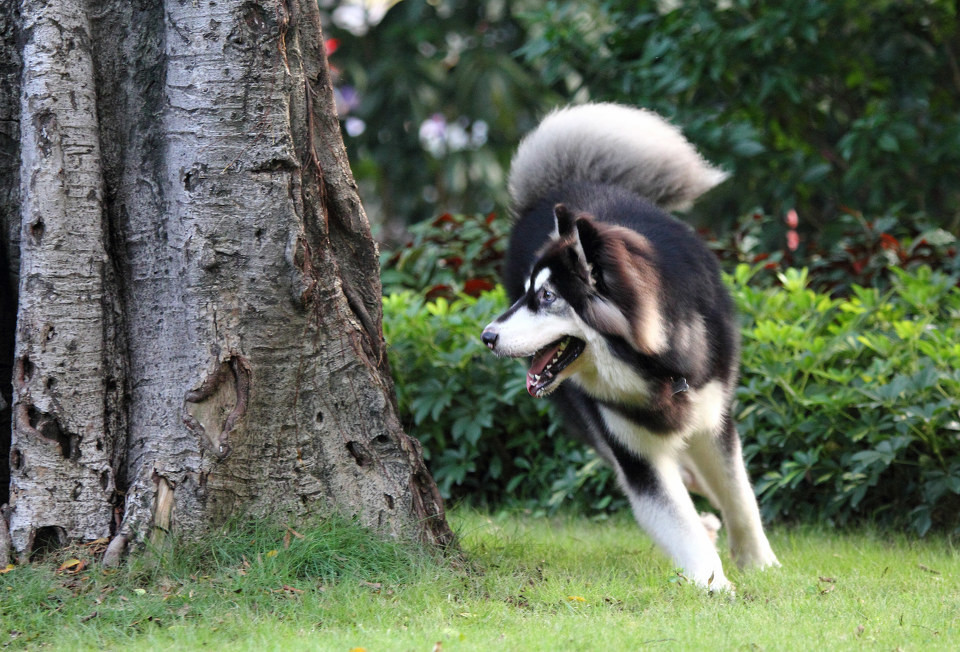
(7, 569)
(72, 566)
(273, 553)
(295, 533)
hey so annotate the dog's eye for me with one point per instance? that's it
(546, 296)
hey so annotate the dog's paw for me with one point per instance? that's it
(756, 557)
(712, 580)
(715, 584)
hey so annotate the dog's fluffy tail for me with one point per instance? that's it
(613, 144)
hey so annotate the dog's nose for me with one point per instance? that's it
(490, 338)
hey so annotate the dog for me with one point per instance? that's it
(629, 328)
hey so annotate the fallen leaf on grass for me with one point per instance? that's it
(827, 579)
(272, 553)
(7, 569)
(286, 537)
(375, 586)
(286, 588)
(72, 566)
(928, 569)
(576, 598)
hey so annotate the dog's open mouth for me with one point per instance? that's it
(549, 361)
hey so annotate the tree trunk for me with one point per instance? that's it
(197, 308)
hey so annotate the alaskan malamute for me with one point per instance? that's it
(629, 327)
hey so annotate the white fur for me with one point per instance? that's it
(542, 277)
(605, 143)
(605, 376)
(525, 332)
(672, 522)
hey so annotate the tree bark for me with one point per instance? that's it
(198, 316)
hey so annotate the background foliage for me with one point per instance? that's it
(443, 101)
(824, 106)
(811, 104)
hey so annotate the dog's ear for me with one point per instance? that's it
(588, 235)
(566, 229)
(563, 221)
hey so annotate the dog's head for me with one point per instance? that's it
(590, 282)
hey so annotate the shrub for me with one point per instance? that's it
(859, 251)
(848, 406)
(448, 256)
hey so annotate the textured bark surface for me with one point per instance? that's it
(198, 323)
(9, 233)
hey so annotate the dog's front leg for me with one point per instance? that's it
(663, 508)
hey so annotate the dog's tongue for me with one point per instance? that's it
(539, 363)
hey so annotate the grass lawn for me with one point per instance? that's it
(530, 583)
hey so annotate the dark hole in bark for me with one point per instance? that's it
(389, 500)
(16, 459)
(47, 539)
(357, 453)
(104, 480)
(381, 440)
(26, 368)
(77, 490)
(319, 417)
(50, 428)
(99, 444)
(51, 383)
(36, 230)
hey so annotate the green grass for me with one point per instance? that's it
(529, 584)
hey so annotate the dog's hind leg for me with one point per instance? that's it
(718, 462)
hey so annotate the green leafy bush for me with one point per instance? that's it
(848, 406)
(448, 256)
(860, 252)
